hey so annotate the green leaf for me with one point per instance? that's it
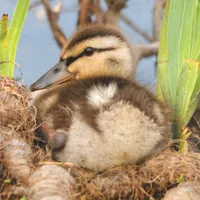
(179, 59)
(23, 198)
(196, 36)
(185, 99)
(179, 37)
(8, 180)
(162, 69)
(3, 43)
(15, 31)
(7, 55)
(180, 179)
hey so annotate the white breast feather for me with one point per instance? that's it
(100, 94)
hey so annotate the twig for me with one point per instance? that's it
(147, 50)
(112, 15)
(148, 195)
(66, 164)
(117, 5)
(84, 12)
(18, 65)
(157, 16)
(135, 27)
(144, 50)
(53, 18)
(96, 8)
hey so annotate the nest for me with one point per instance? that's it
(16, 112)
(150, 180)
(17, 123)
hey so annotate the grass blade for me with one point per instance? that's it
(162, 69)
(13, 37)
(3, 44)
(179, 77)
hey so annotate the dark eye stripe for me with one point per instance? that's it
(71, 59)
(106, 49)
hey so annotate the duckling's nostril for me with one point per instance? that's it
(57, 69)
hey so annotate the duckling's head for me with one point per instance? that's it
(94, 51)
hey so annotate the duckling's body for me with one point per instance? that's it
(107, 119)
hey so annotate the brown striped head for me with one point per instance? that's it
(93, 51)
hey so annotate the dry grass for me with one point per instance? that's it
(16, 112)
(149, 180)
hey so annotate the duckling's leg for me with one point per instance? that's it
(54, 136)
(58, 141)
(56, 120)
(61, 120)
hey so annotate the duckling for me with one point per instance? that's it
(99, 116)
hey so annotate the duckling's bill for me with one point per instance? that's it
(55, 76)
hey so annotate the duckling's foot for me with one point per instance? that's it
(58, 141)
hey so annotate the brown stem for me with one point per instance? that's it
(157, 17)
(112, 15)
(84, 12)
(144, 50)
(53, 18)
(96, 9)
(147, 50)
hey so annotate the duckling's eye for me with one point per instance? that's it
(88, 51)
